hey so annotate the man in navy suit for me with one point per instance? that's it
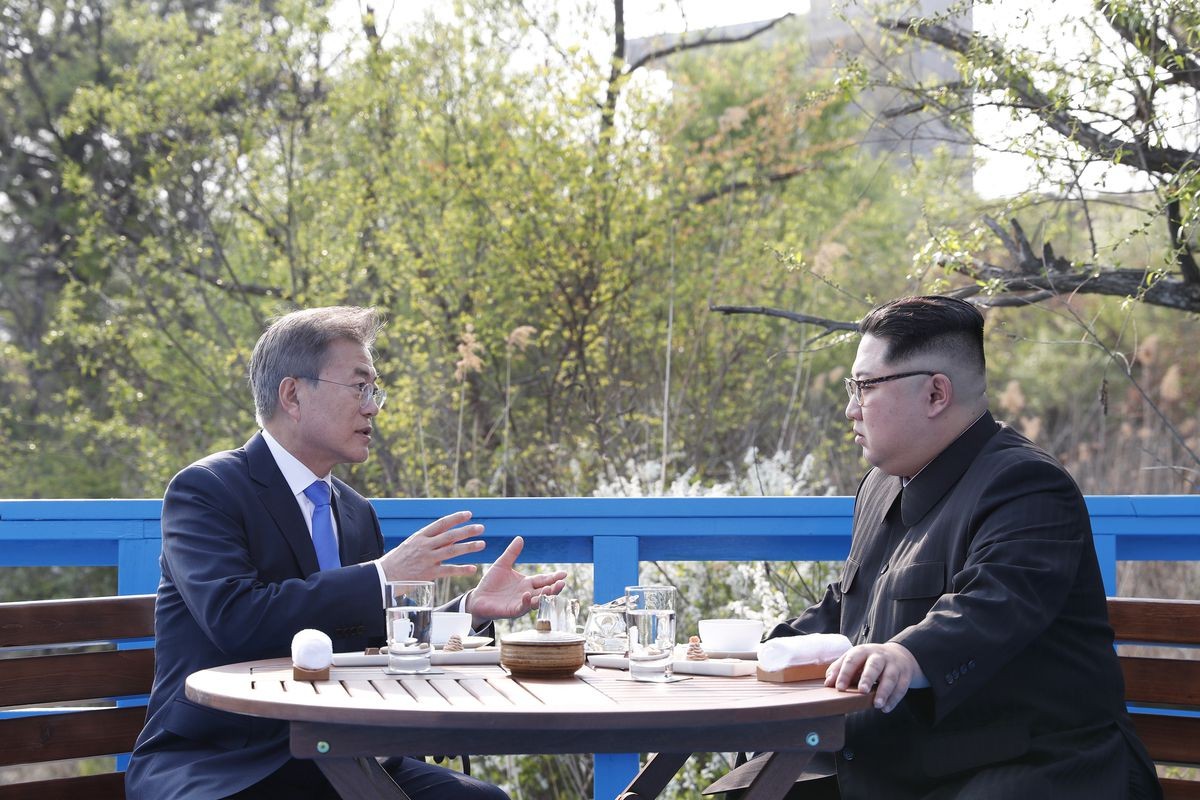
(972, 594)
(241, 572)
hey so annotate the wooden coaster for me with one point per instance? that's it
(302, 674)
(802, 672)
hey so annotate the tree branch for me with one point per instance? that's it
(829, 326)
(704, 40)
(1179, 61)
(741, 186)
(1031, 278)
(1165, 160)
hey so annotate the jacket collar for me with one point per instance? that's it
(932, 483)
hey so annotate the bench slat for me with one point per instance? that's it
(1177, 789)
(107, 786)
(78, 676)
(78, 734)
(1161, 681)
(1142, 620)
(1174, 740)
(89, 619)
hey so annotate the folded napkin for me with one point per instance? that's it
(312, 649)
(792, 651)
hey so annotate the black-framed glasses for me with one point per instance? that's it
(855, 388)
(367, 392)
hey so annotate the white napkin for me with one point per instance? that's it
(792, 651)
(311, 649)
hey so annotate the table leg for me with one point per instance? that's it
(654, 776)
(360, 777)
(778, 775)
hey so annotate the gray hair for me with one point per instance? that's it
(294, 345)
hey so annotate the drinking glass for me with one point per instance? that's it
(650, 622)
(409, 620)
(604, 631)
(561, 611)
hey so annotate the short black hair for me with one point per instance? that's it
(914, 326)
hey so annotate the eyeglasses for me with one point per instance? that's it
(855, 388)
(367, 392)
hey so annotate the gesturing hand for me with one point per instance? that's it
(420, 556)
(503, 592)
(889, 667)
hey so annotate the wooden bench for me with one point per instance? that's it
(1155, 682)
(77, 673)
(1152, 682)
(1162, 681)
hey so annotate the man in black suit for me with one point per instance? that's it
(249, 559)
(971, 595)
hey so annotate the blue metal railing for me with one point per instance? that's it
(612, 534)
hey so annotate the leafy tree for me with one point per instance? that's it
(1122, 110)
(251, 170)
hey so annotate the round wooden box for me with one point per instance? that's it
(542, 653)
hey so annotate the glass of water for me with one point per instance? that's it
(650, 620)
(409, 620)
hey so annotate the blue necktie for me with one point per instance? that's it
(322, 526)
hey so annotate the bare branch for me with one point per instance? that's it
(921, 105)
(741, 186)
(829, 326)
(703, 40)
(1030, 278)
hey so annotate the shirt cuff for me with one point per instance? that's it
(383, 584)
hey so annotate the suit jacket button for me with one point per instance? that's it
(848, 754)
(949, 677)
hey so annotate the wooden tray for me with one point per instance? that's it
(801, 672)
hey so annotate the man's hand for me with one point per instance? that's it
(505, 593)
(420, 556)
(889, 667)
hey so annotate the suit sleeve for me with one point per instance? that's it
(249, 599)
(1027, 534)
(824, 617)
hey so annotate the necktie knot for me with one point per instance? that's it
(318, 492)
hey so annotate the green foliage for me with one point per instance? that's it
(238, 170)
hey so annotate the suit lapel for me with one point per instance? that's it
(280, 503)
(345, 521)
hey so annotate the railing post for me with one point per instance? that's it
(616, 566)
(137, 561)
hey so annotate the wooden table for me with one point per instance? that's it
(362, 712)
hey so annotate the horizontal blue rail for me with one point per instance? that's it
(612, 534)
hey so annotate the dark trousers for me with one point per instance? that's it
(301, 779)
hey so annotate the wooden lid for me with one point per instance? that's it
(542, 637)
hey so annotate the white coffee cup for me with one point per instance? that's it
(447, 624)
